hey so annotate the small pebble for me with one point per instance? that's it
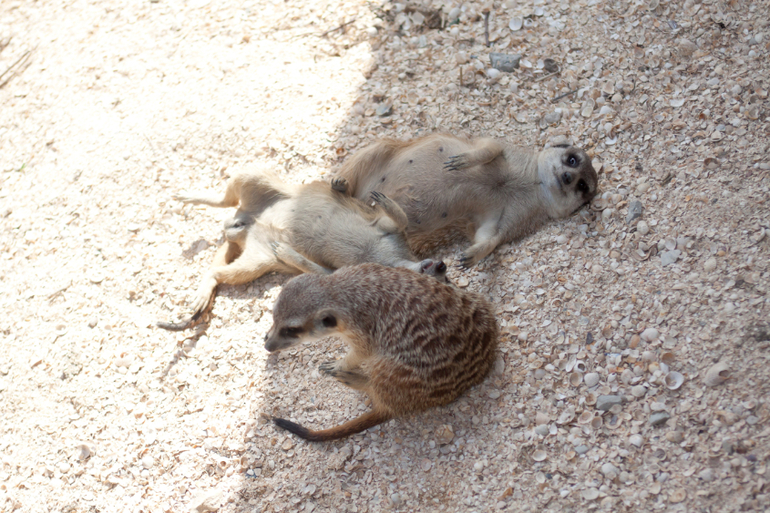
(636, 440)
(638, 391)
(591, 379)
(609, 470)
(674, 436)
(649, 335)
(605, 402)
(643, 228)
(504, 62)
(582, 449)
(659, 418)
(669, 257)
(635, 210)
(590, 494)
(710, 265)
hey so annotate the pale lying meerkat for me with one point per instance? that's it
(414, 343)
(313, 228)
(491, 190)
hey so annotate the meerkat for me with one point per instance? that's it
(414, 343)
(310, 228)
(490, 190)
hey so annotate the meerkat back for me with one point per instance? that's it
(414, 343)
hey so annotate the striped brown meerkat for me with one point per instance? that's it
(414, 343)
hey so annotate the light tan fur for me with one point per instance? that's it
(314, 228)
(414, 343)
(491, 191)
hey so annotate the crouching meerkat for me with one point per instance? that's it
(490, 190)
(414, 343)
(310, 228)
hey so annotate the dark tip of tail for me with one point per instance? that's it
(294, 428)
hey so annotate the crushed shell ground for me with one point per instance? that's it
(633, 373)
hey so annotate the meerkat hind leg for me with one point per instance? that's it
(485, 240)
(290, 257)
(354, 379)
(485, 150)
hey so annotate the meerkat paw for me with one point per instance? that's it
(340, 185)
(329, 367)
(378, 197)
(184, 198)
(456, 162)
(466, 261)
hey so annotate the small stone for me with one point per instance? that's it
(552, 117)
(650, 334)
(669, 257)
(582, 449)
(710, 265)
(643, 228)
(638, 391)
(395, 498)
(205, 502)
(674, 437)
(643, 187)
(493, 73)
(505, 62)
(461, 282)
(659, 418)
(707, 475)
(384, 109)
(609, 470)
(605, 402)
(445, 434)
(591, 379)
(635, 210)
(636, 440)
(542, 430)
(590, 494)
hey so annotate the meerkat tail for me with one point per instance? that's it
(365, 421)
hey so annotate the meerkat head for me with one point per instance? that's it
(302, 313)
(236, 228)
(567, 178)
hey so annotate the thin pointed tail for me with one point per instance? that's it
(365, 421)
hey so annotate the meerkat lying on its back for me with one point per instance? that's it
(493, 191)
(414, 343)
(313, 228)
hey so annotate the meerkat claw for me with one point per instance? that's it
(340, 185)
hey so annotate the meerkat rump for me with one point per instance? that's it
(414, 343)
(314, 228)
(492, 191)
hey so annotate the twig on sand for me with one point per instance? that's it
(16, 67)
(342, 26)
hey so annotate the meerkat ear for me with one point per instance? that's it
(327, 318)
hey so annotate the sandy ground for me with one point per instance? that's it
(118, 105)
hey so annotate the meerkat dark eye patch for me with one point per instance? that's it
(291, 332)
(329, 321)
(567, 178)
(560, 146)
(573, 160)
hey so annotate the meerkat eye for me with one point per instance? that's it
(582, 186)
(329, 321)
(567, 177)
(291, 332)
(573, 161)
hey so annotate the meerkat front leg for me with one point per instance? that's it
(229, 199)
(396, 221)
(290, 257)
(485, 150)
(485, 240)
